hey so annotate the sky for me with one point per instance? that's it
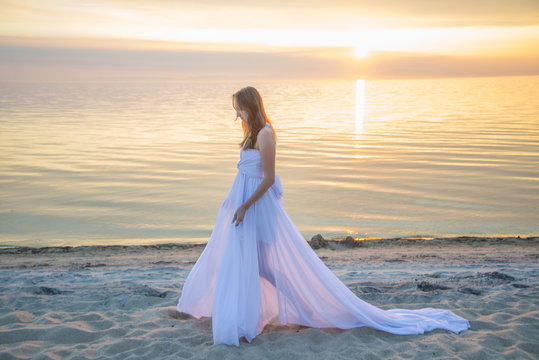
(214, 39)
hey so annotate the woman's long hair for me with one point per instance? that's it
(249, 100)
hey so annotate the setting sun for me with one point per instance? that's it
(360, 52)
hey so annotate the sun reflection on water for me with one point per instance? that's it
(360, 116)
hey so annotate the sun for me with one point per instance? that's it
(360, 51)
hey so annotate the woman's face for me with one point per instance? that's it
(242, 114)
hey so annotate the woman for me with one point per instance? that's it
(257, 265)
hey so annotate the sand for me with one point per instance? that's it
(119, 302)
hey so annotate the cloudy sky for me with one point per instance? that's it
(217, 39)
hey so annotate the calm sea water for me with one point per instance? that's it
(140, 163)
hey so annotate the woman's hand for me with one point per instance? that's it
(239, 214)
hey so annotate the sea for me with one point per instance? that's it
(144, 162)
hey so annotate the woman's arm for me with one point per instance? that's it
(266, 142)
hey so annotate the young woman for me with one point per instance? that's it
(257, 265)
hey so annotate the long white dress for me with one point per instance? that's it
(263, 268)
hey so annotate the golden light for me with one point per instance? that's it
(360, 115)
(361, 51)
(360, 105)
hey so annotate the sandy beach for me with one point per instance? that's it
(119, 302)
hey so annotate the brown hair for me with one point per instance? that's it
(249, 100)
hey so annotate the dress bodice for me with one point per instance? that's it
(250, 165)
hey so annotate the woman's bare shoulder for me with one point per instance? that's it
(266, 131)
(265, 136)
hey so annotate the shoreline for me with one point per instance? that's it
(316, 242)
